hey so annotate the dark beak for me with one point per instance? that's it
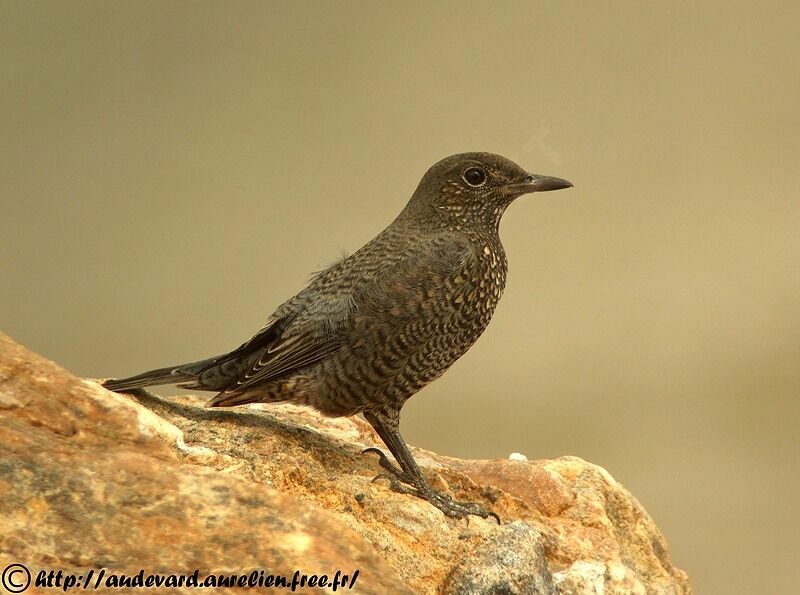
(537, 183)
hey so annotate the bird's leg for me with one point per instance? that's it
(388, 429)
(394, 473)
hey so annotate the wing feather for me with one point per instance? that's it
(309, 333)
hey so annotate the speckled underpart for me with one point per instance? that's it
(376, 327)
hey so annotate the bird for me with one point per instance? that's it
(373, 329)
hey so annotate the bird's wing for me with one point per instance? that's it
(309, 329)
(294, 340)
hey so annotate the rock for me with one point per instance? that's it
(91, 479)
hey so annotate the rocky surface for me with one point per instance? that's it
(90, 479)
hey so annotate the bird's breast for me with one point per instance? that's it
(488, 274)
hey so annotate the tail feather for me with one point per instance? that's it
(169, 375)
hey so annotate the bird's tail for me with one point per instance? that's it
(170, 375)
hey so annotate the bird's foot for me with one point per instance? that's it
(393, 472)
(402, 483)
(454, 508)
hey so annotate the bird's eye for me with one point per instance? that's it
(474, 176)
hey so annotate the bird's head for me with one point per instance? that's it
(476, 188)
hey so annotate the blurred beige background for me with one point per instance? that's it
(170, 172)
